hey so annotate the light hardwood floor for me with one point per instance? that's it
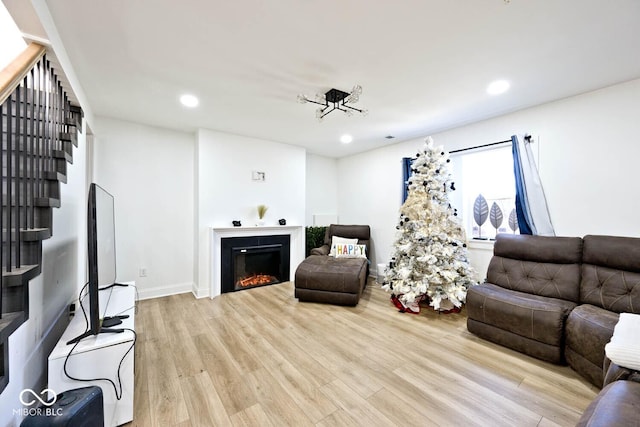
(260, 358)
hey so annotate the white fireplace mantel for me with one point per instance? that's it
(297, 246)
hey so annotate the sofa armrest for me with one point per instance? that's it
(322, 250)
(614, 372)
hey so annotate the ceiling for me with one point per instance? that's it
(423, 65)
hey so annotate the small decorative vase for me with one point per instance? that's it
(260, 223)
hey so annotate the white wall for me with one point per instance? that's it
(50, 293)
(588, 150)
(370, 192)
(12, 42)
(149, 171)
(321, 187)
(227, 192)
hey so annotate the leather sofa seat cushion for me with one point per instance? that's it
(589, 329)
(618, 404)
(534, 317)
(321, 278)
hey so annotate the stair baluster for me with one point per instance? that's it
(9, 193)
(24, 178)
(33, 177)
(36, 141)
(2, 162)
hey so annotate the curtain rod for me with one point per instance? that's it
(480, 146)
(527, 138)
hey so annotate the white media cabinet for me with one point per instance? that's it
(99, 356)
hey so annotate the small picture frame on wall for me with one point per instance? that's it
(258, 176)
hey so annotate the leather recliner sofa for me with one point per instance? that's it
(609, 284)
(532, 285)
(325, 279)
(558, 299)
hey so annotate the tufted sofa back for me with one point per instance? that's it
(538, 265)
(611, 273)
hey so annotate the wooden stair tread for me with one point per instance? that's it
(9, 323)
(70, 121)
(39, 202)
(55, 176)
(19, 276)
(47, 202)
(61, 154)
(30, 234)
(46, 175)
(69, 136)
(35, 234)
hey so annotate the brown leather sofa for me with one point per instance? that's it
(617, 403)
(610, 284)
(532, 285)
(325, 279)
(559, 299)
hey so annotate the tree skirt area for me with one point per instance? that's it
(414, 308)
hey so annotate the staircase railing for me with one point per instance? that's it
(38, 126)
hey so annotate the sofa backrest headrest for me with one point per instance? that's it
(360, 232)
(556, 250)
(611, 273)
(620, 253)
(537, 265)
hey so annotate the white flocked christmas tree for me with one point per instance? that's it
(429, 258)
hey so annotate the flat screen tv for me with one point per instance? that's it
(101, 244)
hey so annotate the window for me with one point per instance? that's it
(485, 192)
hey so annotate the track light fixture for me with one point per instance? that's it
(335, 99)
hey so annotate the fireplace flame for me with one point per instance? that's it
(256, 280)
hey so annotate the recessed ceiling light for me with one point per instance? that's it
(498, 87)
(346, 139)
(189, 101)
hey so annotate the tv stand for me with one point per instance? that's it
(113, 321)
(98, 356)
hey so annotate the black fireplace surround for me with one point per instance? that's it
(249, 262)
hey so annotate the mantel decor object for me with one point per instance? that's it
(262, 210)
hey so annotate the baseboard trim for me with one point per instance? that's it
(164, 291)
(199, 292)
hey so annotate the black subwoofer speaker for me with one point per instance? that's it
(81, 407)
